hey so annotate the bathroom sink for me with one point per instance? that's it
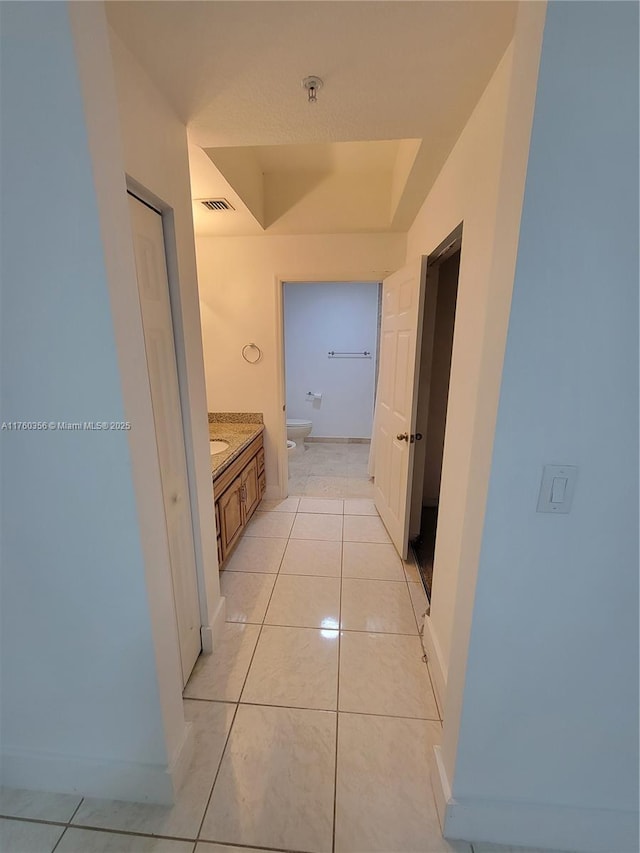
(217, 446)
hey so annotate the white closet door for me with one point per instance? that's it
(153, 286)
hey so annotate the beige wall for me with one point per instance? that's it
(481, 185)
(239, 304)
(465, 191)
(155, 149)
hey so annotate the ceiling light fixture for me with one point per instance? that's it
(312, 85)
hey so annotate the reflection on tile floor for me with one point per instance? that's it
(314, 718)
(276, 782)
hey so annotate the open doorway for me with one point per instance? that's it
(433, 393)
(331, 332)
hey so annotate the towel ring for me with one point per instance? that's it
(245, 350)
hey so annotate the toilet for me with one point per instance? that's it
(298, 430)
(291, 446)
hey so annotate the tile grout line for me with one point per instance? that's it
(237, 703)
(64, 831)
(308, 575)
(24, 819)
(425, 657)
(262, 625)
(266, 610)
(217, 773)
(335, 769)
(433, 689)
(89, 828)
(413, 610)
(252, 847)
(75, 812)
(321, 710)
(320, 627)
(390, 716)
(62, 835)
(107, 830)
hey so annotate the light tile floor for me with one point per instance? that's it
(315, 718)
(330, 470)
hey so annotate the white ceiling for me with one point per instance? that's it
(392, 70)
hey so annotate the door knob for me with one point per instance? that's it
(403, 436)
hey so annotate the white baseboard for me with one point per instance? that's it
(181, 760)
(210, 634)
(544, 826)
(436, 663)
(440, 785)
(91, 777)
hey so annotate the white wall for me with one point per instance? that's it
(239, 302)
(548, 744)
(319, 318)
(480, 185)
(80, 693)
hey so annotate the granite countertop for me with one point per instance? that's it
(239, 429)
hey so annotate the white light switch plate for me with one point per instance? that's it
(557, 488)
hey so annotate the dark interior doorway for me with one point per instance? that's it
(433, 395)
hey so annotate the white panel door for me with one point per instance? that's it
(153, 287)
(402, 307)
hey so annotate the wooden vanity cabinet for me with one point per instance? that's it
(251, 494)
(262, 480)
(219, 540)
(238, 492)
(231, 511)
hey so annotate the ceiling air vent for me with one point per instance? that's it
(217, 204)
